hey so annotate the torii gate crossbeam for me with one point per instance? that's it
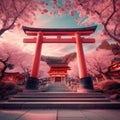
(49, 35)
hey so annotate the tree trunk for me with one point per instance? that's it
(2, 31)
(4, 68)
(3, 72)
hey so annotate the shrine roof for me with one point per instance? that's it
(30, 29)
(61, 65)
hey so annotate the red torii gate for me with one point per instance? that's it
(41, 35)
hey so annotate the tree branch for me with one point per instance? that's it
(114, 10)
(105, 8)
(115, 29)
(107, 22)
(15, 6)
(15, 18)
(4, 68)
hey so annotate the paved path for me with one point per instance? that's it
(59, 114)
(58, 87)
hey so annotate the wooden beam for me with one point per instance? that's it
(59, 40)
(88, 40)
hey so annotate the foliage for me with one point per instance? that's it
(6, 89)
(10, 86)
(43, 70)
(109, 84)
(101, 11)
(110, 87)
(14, 12)
(73, 72)
(9, 56)
(98, 62)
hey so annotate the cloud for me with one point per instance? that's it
(51, 49)
(90, 46)
(55, 49)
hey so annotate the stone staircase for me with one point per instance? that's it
(58, 96)
(36, 96)
(34, 99)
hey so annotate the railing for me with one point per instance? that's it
(44, 81)
(72, 84)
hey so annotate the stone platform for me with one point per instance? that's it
(34, 99)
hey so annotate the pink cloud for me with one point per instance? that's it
(57, 49)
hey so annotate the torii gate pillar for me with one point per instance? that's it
(86, 82)
(32, 82)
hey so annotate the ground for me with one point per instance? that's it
(58, 114)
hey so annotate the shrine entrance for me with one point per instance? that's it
(58, 72)
(58, 79)
(59, 35)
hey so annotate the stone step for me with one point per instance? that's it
(59, 96)
(57, 93)
(59, 105)
(35, 99)
(59, 100)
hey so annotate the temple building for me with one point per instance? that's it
(115, 70)
(58, 72)
(13, 77)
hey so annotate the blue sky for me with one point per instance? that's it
(64, 21)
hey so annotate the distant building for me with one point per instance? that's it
(58, 72)
(115, 70)
(13, 77)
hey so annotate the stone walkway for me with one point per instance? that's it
(58, 87)
(60, 114)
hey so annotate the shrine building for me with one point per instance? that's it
(114, 70)
(58, 72)
(15, 77)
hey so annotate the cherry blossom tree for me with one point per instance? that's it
(44, 69)
(73, 73)
(14, 58)
(105, 12)
(9, 55)
(93, 11)
(98, 62)
(14, 12)
(25, 66)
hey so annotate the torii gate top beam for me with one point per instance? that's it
(59, 31)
